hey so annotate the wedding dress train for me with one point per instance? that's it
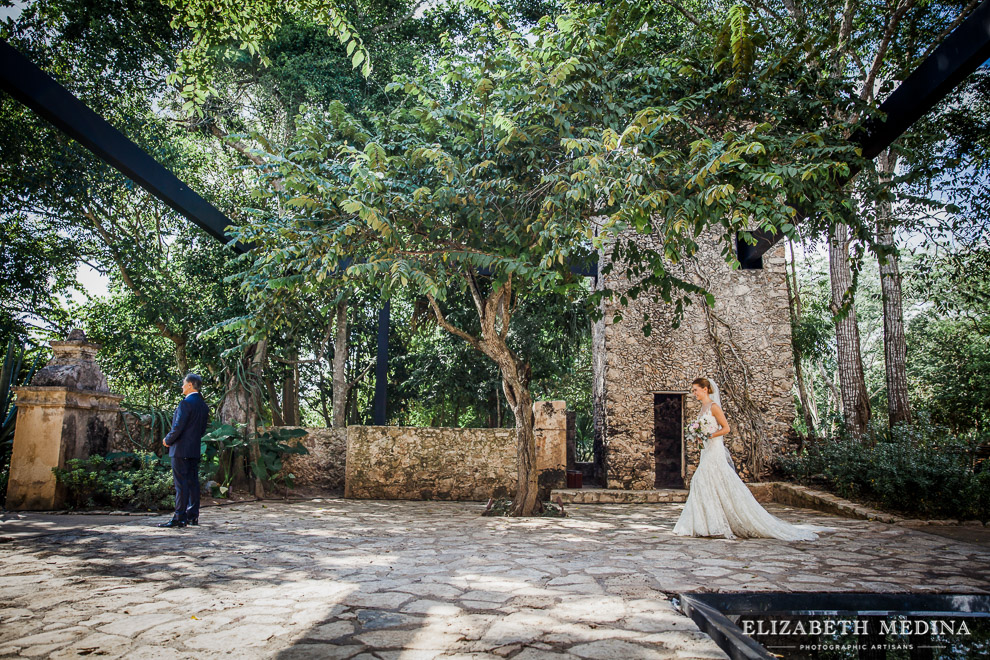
(720, 504)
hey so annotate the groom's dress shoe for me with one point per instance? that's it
(194, 522)
(172, 523)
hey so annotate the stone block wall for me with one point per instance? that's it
(411, 463)
(744, 343)
(323, 466)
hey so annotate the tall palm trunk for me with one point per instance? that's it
(852, 381)
(894, 343)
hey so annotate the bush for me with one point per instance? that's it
(225, 444)
(121, 481)
(922, 470)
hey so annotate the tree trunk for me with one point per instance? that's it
(351, 414)
(816, 419)
(324, 409)
(495, 312)
(241, 405)
(296, 407)
(794, 306)
(290, 392)
(181, 359)
(852, 381)
(273, 403)
(831, 388)
(894, 344)
(341, 387)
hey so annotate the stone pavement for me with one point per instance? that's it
(366, 579)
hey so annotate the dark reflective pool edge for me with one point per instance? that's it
(710, 611)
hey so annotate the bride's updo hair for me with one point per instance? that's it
(705, 383)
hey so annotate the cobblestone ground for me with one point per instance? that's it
(340, 579)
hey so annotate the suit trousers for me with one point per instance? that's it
(185, 474)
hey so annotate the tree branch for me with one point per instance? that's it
(684, 12)
(319, 354)
(397, 22)
(457, 332)
(505, 309)
(888, 34)
(952, 26)
(479, 300)
(241, 148)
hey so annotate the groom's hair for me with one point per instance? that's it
(195, 381)
(704, 382)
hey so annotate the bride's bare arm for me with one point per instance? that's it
(722, 421)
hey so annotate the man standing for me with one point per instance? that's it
(183, 442)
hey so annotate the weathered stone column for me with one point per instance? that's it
(66, 412)
(550, 431)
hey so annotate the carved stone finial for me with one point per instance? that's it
(73, 365)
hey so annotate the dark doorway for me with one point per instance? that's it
(667, 448)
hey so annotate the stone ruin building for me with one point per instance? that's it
(642, 384)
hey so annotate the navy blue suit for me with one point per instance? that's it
(188, 426)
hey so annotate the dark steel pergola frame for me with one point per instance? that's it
(965, 49)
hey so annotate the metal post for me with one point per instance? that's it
(381, 366)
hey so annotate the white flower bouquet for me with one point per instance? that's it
(701, 429)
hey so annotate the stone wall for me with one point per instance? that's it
(323, 466)
(749, 356)
(397, 462)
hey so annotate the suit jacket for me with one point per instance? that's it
(188, 426)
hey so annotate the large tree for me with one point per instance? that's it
(113, 56)
(514, 160)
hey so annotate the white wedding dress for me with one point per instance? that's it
(720, 504)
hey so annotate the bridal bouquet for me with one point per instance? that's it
(701, 429)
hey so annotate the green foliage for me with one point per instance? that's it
(145, 426)
(63, 204)
(584, 439)
(227, 443)
(246, 28)
(486, 151)
(132, 481)
(35, 266)
(950, 373)
(14, 372)
(946, 334)
(922, 470)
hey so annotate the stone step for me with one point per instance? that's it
(611, 496)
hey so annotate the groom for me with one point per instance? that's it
(183, 442)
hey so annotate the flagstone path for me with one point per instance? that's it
(357, 579)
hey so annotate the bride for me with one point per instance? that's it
(719, 503)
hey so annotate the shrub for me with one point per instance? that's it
(921, 469)
(122, 480)
(224, 444)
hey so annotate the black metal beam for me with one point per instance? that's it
(965, 49)
(28, 84)
(381, 366)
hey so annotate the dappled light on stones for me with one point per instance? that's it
(338, 578)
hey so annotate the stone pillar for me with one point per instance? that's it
(66, 412)
(550, 431)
